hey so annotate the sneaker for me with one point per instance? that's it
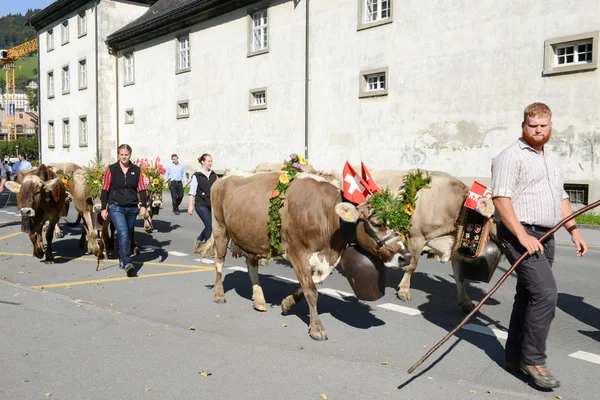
(541, 376)
(121, 265)
(130, 269)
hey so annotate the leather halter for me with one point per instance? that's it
(371, 232)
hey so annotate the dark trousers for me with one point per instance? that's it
(205, 215)
(176, 188)
(123, 217)
(535, 300)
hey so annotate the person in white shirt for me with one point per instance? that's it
(22, 164)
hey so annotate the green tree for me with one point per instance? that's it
(32, 98)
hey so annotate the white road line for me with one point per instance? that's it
(400, 309)
(152, 247)
(584, 355)
(335, 293)
(486, 330)
(283, 278)
(4, 211)
(207, 261)
(238, 269)
(176, 253)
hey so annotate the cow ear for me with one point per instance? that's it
(13, 186)
(485, 207)
(347, 212)
(54, 187)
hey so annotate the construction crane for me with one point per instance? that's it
(7, 59)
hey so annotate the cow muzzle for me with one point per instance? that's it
(399, 260)
(97, 208)
(27, 212)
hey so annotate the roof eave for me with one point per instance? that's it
(54, 12)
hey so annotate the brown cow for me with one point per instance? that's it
(434, 227)
(40, 197)
(312, 234)
(88, 208)
(155, 200)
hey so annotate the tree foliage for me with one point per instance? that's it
(15, 30)
(29, 146)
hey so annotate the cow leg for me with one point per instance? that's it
(220, 249)
(57, 232)
(49, 236)
(464, 301)
(258, 297)
(415, 246)
(289, 302)
(38, 248)
(133, 248)
(316, 330)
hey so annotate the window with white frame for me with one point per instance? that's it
(183, 53)
(571, 53)
(129, 117)
(83, 131)
(64, 31)
(374, 12)
(66, 84)
(82, 74)
(129, 68)
(50, 84)
(183, 109)
(50, 40)
(259, 31)
(51, 137)
(258, 99)
(373, 83)
(66, 133)
(81, 24)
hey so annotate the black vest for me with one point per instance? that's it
(202, 197)
(123, 190)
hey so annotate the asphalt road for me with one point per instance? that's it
(69, 332)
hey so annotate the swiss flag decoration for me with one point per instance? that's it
(356, 189)
(159, 166)
(366, 175)
(477, 191)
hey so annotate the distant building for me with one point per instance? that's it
(32, 85)
(21, 101)
(26, 123)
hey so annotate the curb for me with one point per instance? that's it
(570, 244)
(592, 227)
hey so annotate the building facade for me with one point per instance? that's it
(395, 84)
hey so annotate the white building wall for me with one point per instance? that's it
(217, 88)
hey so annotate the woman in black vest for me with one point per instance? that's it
(200, 186)
(123, 182)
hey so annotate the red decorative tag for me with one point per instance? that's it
(477, 192)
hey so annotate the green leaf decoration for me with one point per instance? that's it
(94, 177)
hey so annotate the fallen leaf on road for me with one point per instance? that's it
(176, 309)
(75, 324)
(424, 346)
(148, 389)
(218, 316)
(20, 272)
(192, 328)
(385, 362)
(559, 397)
(48, 394)
(204, 373)
(301, 347)
(111, 304)
(16, 294)
(429, 377)
(324, 396)
(284, 325)
(334, 340)
(25, 354)
(472, 391)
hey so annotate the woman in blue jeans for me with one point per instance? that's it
(200, 186)
(124, 191)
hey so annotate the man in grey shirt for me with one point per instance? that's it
(527, 190)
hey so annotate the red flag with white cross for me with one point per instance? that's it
(366, 175)
(356, 189)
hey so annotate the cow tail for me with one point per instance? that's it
(74, 224)
(207, 248)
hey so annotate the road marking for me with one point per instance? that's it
(205, 260)
(584, 355)
(486, 330)
(176, 253)
(152, 247)
(242, 269)
(283, 278)
(338, 294)
(125, 278)
(400, 309)
(11, 235)
(4, 211)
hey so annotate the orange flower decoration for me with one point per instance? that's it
(275, 193)
(409, 209)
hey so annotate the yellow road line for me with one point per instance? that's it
(159, 264)
(11, 235)
(125, 278)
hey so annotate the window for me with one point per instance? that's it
(258, 99)
(129, 116)
(66, 134)
(571, 53)
(51, 139)
(259, 33)
(183, 110)
(65, 80)
(50, 84)
(65, 32)
(129, 69)
(50, 40)
(373, 13)
(82, 74)
(183, 54)
(373, 83)
(578, 193)
(81, 24)
(83, 131)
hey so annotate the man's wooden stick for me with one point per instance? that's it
(500, 282)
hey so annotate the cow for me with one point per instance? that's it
(316, 226)
(434, 226)
(274, 167)
(41, 197)
(88, 208)
(155, 202)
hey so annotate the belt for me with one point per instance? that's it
(536, 228)
(175, 181)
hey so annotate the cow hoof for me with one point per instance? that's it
(149, 230)
(49, 261)
(467, 307)
(404, 296)
(220, 299)
(260, 306)
(318, 333)
(59, 235)
(287, 305)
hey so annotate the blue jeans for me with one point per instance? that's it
(123, 217)
(205, 215)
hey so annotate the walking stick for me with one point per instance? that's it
(500, 282)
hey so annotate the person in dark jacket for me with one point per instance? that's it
(124, 191)
(200, 186)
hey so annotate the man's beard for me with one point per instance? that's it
(536, 141)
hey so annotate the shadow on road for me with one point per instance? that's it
(582, 311)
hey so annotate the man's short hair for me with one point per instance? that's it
(536, 110)
(22, 155)
(174, 155)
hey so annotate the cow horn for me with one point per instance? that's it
(347, 212)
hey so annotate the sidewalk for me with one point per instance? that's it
(590, 233)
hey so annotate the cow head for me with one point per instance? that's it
(374, 237)
(155, 202)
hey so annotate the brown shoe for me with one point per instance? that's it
(541, 376)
